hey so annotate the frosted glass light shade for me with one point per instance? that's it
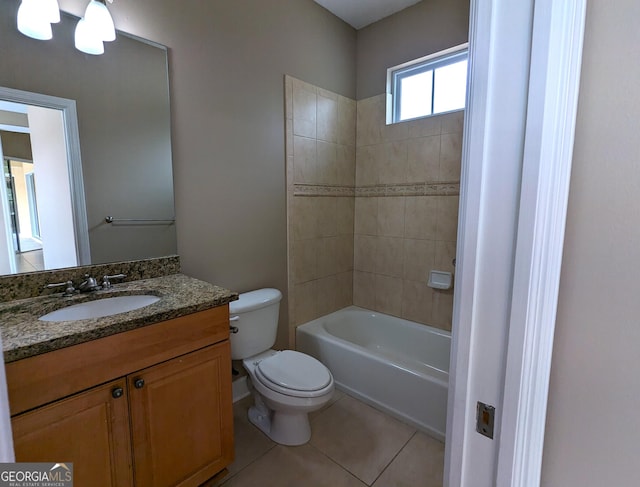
(100, 19)
(51, 11)
(86, 40)
(33, 21)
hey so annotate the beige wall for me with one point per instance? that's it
(321, 167)
(593, 425)
(427, 27)
(406, 212)
(227, 61)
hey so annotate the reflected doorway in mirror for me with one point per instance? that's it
(53, 217)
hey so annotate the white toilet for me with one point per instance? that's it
(287, 385)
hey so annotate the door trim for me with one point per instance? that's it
(524, 75)
(556, 59)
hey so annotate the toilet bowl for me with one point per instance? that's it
(286, 385)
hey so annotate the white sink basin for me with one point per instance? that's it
(100, 308)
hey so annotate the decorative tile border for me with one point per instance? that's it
(322, 190)
(444, 188)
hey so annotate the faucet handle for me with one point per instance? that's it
(69, 290)
(106, 280)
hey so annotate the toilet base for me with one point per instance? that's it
(283, 427)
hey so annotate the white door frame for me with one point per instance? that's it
(525, 59)
(7, 248)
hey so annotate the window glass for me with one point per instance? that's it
(450, 87)
(416, 95)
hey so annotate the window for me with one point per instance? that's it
(428, 86)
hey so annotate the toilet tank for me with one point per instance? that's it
(255, 314)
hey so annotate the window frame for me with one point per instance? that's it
(427, 63)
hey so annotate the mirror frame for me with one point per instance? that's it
(74, 160)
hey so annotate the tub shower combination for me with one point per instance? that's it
(396, 365)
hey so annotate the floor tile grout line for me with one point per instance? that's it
(271, 447)
(274, 445)
(394, 457)
(415, 432)
(317, 449)
(335, 462)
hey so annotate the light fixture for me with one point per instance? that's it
(51, 10)
(86, 40)
(36, 16)
(100, 19)
(95, 28)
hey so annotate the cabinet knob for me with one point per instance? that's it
(138, 383)
(117, 392)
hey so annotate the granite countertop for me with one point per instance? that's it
(24, 335)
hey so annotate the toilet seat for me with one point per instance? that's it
(294, 374)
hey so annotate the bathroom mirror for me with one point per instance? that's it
(123, 121)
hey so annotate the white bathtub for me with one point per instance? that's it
(393, 364)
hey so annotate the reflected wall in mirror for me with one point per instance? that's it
(123, 119)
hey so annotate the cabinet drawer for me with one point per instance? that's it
(45, 378)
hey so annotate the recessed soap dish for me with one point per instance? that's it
(440, 280)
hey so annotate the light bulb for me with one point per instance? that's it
(32, 20)
(100, 19)
(86, 39)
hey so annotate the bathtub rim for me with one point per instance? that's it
(413, 324)
(440, 376)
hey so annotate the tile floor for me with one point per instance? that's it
(352, 444)
(30, 261)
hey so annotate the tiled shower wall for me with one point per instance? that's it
(321, 135)
(366, 226)
(406, 212)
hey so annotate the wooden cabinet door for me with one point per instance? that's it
(182, 418)
(90, 429)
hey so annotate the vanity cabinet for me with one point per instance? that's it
(160, 416)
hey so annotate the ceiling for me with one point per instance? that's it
(360, 13)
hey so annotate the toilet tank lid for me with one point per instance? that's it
(255, 300)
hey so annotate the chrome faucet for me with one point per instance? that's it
(89, 284)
